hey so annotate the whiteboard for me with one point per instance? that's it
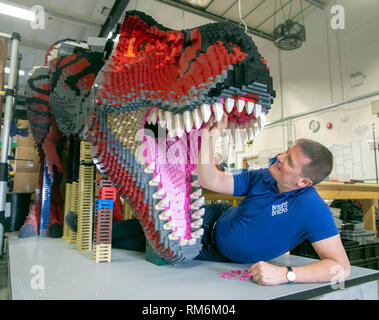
(354, 160)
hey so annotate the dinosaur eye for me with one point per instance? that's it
(142, 46)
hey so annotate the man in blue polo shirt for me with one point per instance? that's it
(281, 208)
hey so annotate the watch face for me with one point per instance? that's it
(291, 276)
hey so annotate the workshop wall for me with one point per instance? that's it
(318, 74)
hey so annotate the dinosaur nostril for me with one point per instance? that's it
(142, 46)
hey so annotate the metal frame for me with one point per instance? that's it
(114, 17)
(214, 17)
(253, 30)
(5, 132)
(317, 4)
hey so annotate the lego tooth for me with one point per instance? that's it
(232, 126)
(206, 111)
(245, 137)
(196, 194)
(162, 119)
(171, 133)
(161, 205)
(150, 168)
(257, 110)
(194, 172)
(179, 125)
(249, 107)
(197, 118)
(238, 136)
(173, 236)
(169, 120)
(165, 215)
(197, 214)
(195, 184)
(197, 233)
(148, 119)
(262, 121)
(155, 181)
(229, 105)
(188, 121)
(256, 129)
(159, 194)
(240, 105)
(153, 116)
(218, 111)
(183, 242)
(198, 203)
(169, 225)
(250, 133)
(197, 224)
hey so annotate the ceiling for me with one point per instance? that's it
(260, 16)
(80, 19)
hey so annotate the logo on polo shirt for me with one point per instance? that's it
(279, 208)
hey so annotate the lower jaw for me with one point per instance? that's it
(160, 190)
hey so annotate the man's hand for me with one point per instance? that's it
(267, 274)
(216, 128)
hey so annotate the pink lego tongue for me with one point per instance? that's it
(172, 158)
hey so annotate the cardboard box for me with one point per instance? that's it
(25, 141)
(26, 159)
(25, 181)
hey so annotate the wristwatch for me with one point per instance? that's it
(290, 275)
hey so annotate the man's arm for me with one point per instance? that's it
(334, 266)
(208, 175)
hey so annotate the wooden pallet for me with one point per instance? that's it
(127, 211)
(103, 227)
(74, 206)
(85, 152)
(67, 207)
(85, 207)
(101, 253)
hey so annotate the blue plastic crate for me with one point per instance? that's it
(104, 204)
(45, 208)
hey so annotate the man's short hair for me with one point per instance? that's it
(321, 160)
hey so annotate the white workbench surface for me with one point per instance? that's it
(70, 274)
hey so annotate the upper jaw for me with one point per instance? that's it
(246, 119)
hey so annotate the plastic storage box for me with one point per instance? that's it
(360, 255)
(362, 236)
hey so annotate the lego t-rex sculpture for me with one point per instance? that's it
(141, 105)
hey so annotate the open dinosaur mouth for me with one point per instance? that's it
(144, 108)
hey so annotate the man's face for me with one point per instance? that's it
(287, 169)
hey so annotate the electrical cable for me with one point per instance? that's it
(240, 14)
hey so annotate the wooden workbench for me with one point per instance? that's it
(366, 193)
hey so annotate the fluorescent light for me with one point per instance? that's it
(20, 72)
(198, 3)
(16, 12)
